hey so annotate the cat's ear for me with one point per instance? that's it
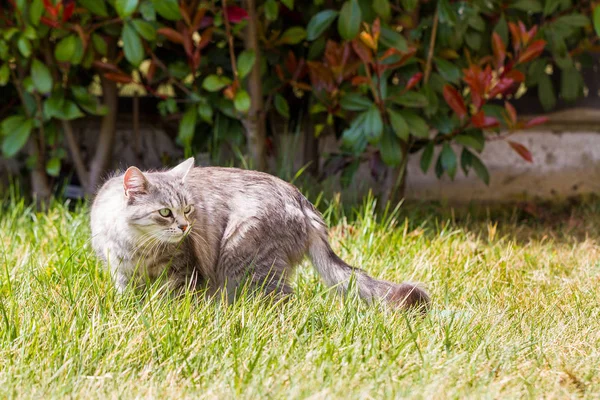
(134, 182)
(183, 169)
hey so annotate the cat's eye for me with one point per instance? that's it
(164, 212)
(187, 209)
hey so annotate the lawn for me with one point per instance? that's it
(515, 313)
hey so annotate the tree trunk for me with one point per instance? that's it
(311, 148)
(104, 146)
(394, 183)
(254, 122)
(40, 187)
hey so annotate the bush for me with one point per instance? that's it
(388, 77)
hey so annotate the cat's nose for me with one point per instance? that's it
(183, 227)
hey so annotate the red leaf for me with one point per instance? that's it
(205, 38)
(521, 150)
(360, 80)
(502, 86)
(51, 8)
(414, 80)
(188, 44)
(512, 113)
(532, 51)
(455, 101)
(235, 14)
(198, 18)
(106, 66)
(171, 34)
(118, 77)
(363, 52)
(69, 7)
(480, 120)
(389, 52)
(48, 22)
(291, 63)
(536, 121)
(151, 71)
(514, 74)
(499, 49)
(516, 35)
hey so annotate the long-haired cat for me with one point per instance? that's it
(220, 227)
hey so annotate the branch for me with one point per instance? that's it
(230, 41)
(431, 47)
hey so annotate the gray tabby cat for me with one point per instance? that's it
(220, 227)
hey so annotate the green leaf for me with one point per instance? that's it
(417, 125)
(409, 5)
(245, 62)
(282, 107)
(168, 9)
(36, 10)
(125, 7)
(399, 124)
(571, 84)
(99, 44)
(502, 29)
(241, 101)
(472, 140)
(11, 124)
(53, 166)
(147, 11)
(411, 99)
(477, 23)
(382, 8)
(480, 169)
(465, 160)
(71, 111)
(426, 157)
(42, 79)
(390, 149)
(293, 35)
(4, 74)
(319, 23)
(596, 19)
(550, 6)
(271, 10)
(473, 40)
(353, 134)
(349, 20)
(393, 39)
(65, 49)
(573, 20)
(373, 124)
(132, 45)
(145, 29)
(449, 71)
(546, 92)
(214, 83)
(448, 160)
(355, 102)
(16, 137)
(87, 101)
(58, 107)
(446, 13)
(206, 112)
(288, 3)
(187, 126)
(530, 6)
(97, 7)
(24, 46)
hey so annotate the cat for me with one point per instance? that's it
(221, 227)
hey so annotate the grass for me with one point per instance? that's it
(515, 314)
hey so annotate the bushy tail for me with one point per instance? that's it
(335, 272)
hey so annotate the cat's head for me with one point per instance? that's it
(159, 205)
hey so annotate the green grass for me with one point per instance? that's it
(515, 314)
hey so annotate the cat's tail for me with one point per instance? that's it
(335, 272)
